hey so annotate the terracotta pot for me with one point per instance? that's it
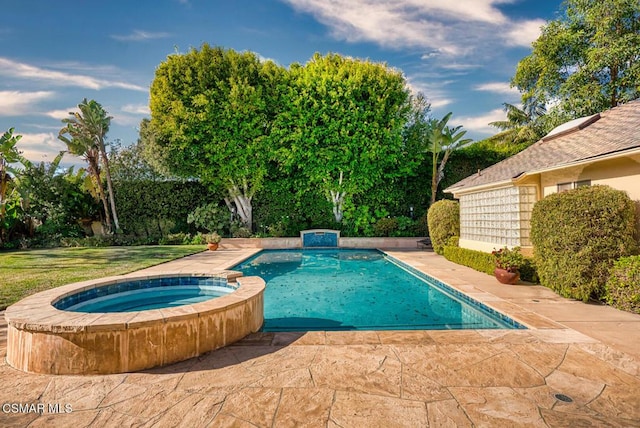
(506, 277)
(212, 246)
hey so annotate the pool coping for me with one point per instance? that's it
(38, 313)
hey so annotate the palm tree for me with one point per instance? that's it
(525, 124)
(442, 139)
(89, 127)
(84, 147)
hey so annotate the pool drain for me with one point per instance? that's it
(563, 397)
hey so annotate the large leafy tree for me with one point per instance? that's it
(84, 134)
(585, 61)
(342, 127)
(211, 116)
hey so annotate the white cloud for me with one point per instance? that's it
(15, 103)
(460, 67)
(61, 114)
(497, 87)
(140, 36)
(41, 147)
(19, 70)
(142, 109)
(524, 33)
(125, 119)
(480, 124)
(436, 95)
(394, 23)
(443, 27)
(439, 102)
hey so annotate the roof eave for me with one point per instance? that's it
(606, 156)
(461, 190)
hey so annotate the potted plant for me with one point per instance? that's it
(213, 239)
(508, 263)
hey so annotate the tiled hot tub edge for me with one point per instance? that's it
(43, 339)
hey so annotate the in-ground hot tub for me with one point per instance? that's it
(58, 331)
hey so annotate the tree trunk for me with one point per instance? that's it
(434, 182)
(244, 210)
(614, 92)
(337, 199)
(105, 205)
(242, 203)
(105, 164)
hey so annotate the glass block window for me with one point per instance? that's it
(501, 216)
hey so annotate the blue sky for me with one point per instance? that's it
(460, 53)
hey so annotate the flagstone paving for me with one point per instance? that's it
(371, 379)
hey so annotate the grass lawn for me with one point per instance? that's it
(26, 272)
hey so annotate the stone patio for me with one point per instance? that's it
(589, 353)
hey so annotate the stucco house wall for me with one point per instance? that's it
(620, 173)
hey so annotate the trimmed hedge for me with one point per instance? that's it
(443, 219)
(577, 235)
(485, 262)
(152, 209)
(623, 285)
(478, 260)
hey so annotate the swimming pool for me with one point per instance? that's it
(338, 289)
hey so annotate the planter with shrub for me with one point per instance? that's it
(508, 263)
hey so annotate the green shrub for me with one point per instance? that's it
(209, 217)
(486, 262)
(478, 260)
(198, 239)
(385, 226)
(528, 271)
(623, 285)
(179, 238)
(406, 227)
(89, 241)
(443, 219)
(277, 230)
(240, 231)
(577, 235)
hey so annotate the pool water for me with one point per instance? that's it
(150, 298)
(340, 289)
